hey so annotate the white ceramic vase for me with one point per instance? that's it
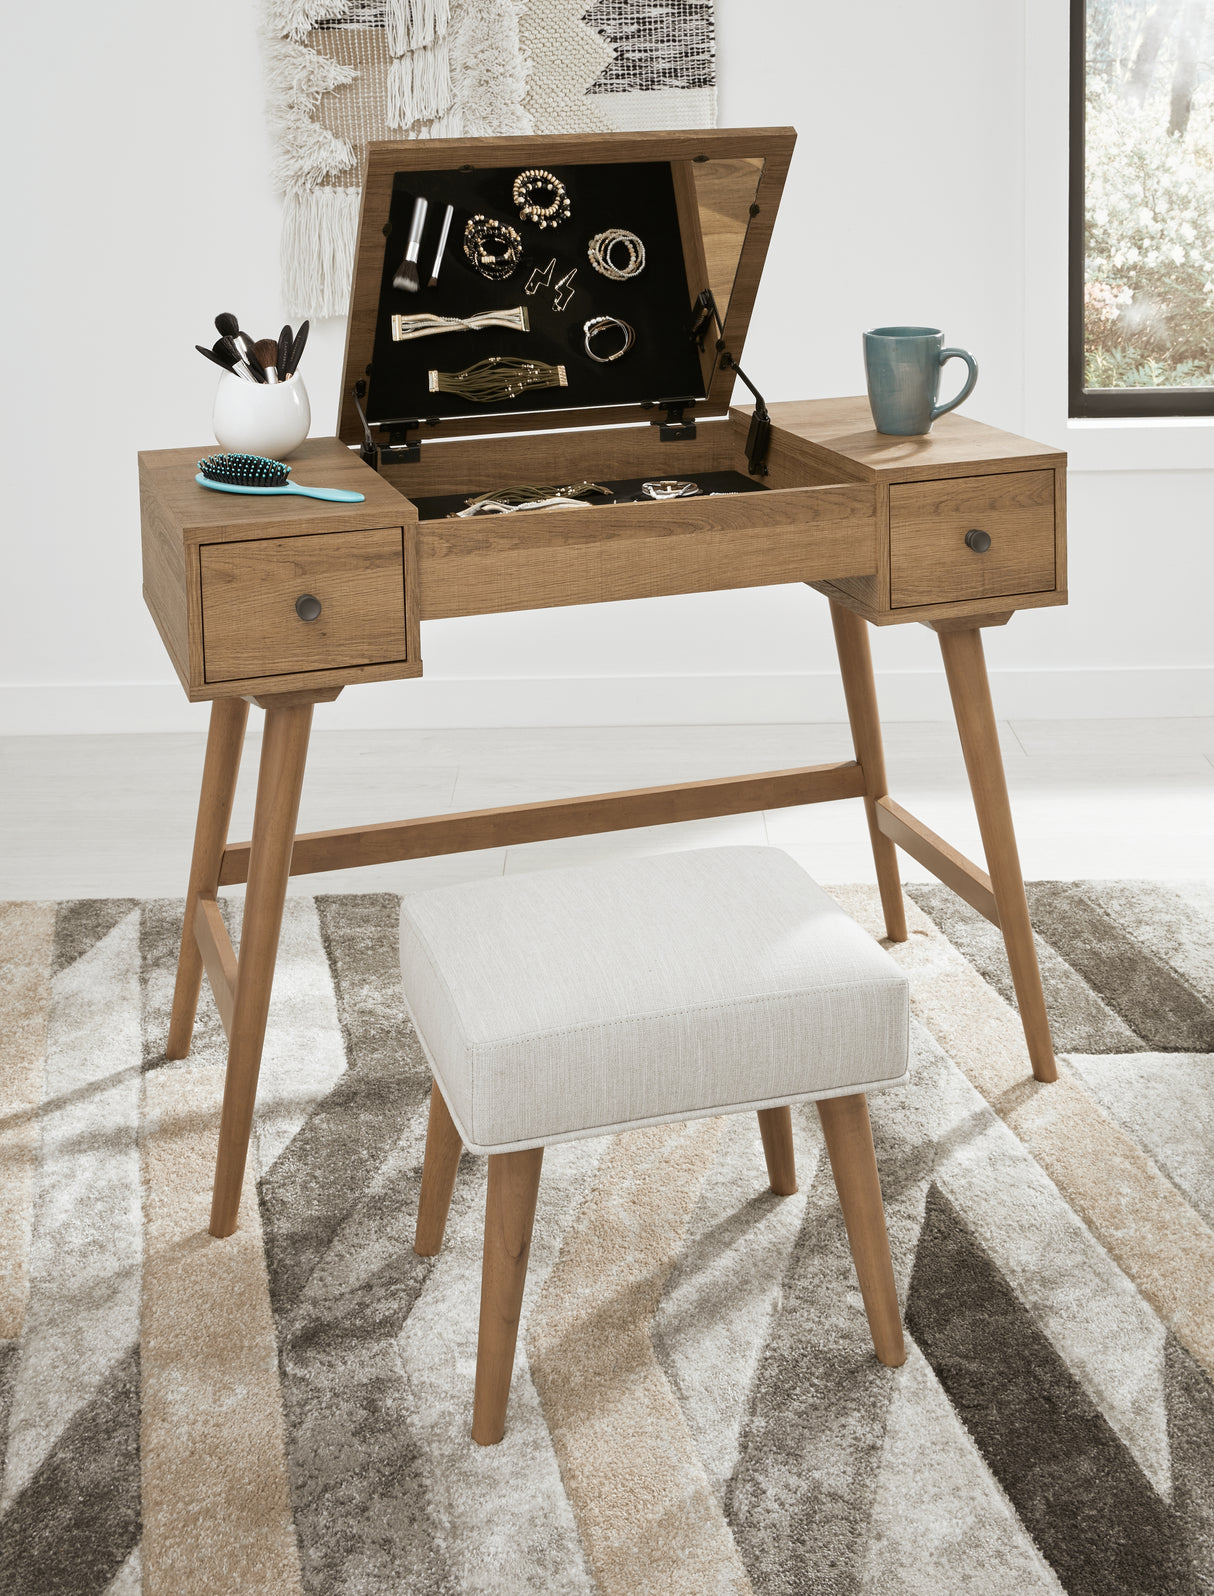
(261, 417)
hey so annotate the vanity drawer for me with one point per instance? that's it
(252, 628)
(930, 561)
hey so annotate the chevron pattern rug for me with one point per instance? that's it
(696, 1408)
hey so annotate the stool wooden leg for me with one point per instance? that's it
(284, 750)
(849, 1143)
(443, 1149)
(860, 691)
(514, 1183)
(775, 1127)
(965, 667)
(225, 739)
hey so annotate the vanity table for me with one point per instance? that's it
(957, 530)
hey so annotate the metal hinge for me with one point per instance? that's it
(675, 425)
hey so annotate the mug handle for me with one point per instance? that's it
(961, 354)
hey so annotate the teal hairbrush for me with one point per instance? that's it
(252, 473)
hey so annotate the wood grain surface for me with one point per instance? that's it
(249, 590)
(930, 561)
(539, 559)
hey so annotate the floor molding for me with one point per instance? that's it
(813, 696)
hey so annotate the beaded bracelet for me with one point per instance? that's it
(529, 209)
(601, 246)
(492, 247)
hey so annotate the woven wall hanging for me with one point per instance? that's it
(343, 72)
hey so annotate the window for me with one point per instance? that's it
(1142, 208)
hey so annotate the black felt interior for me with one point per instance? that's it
(664, 362)
(625, 490)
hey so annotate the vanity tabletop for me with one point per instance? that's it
(834, 429)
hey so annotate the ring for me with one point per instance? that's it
(529, 210)
(668, 488)
(601, 246)
(600, 324)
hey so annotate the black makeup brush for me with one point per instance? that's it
(407, 275)
(297, 348)
(210, 355)
(285, 339)
(242, 362)
(228, 327)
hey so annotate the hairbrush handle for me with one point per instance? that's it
(336, 495)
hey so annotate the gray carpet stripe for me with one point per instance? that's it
(1166, 1102)
(1155, 1001)
(810, 1451)
(803, 1487)
(337, 1153)
(86, 1247)
(80, 923)
(8, 1369)
(712, 1322)
(358, 1484)
(1080, 1020)
(1190, 1401)
(1072, 1481)
(74, 1525)
(159, 939)
(1174, 919)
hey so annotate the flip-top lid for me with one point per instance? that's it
(702, 203)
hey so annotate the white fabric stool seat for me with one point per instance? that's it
(568, 1003)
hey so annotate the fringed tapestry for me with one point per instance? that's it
(344, 72)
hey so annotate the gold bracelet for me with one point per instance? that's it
(425, 323)
(492, 247)
(499, 377)
(529, 210)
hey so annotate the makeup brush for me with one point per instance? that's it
(228, 327)
(266, 351)
(407, 275)
(442, 244)
(222, 356)
(285, 339)
(242, 360)
(297, 348)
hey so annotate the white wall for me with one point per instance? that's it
(143, 206)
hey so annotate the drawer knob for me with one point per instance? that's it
(307, 605)
(978, 540)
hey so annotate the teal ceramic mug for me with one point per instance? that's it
(903, 368)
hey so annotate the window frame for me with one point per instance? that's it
(1088, 403)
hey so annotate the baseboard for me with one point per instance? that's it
(76, 708)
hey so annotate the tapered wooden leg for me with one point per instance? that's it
(965, 667)
(775, 1127)
(860, 691)
(443, 1148)
(849, 1143)
(284, 751)
(514, 1182)
(225, 740)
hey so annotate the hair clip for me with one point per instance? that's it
(540, 279)
(559, 299)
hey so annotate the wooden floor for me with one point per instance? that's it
(113, 816)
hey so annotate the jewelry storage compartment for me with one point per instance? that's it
(544, 337)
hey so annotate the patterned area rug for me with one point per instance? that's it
(696, 1407)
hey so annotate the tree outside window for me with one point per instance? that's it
(1142, 208)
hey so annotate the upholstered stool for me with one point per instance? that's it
(570, 1003)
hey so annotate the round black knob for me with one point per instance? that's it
(307, 606)
(977, 540)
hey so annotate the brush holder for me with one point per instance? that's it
(261, 417)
